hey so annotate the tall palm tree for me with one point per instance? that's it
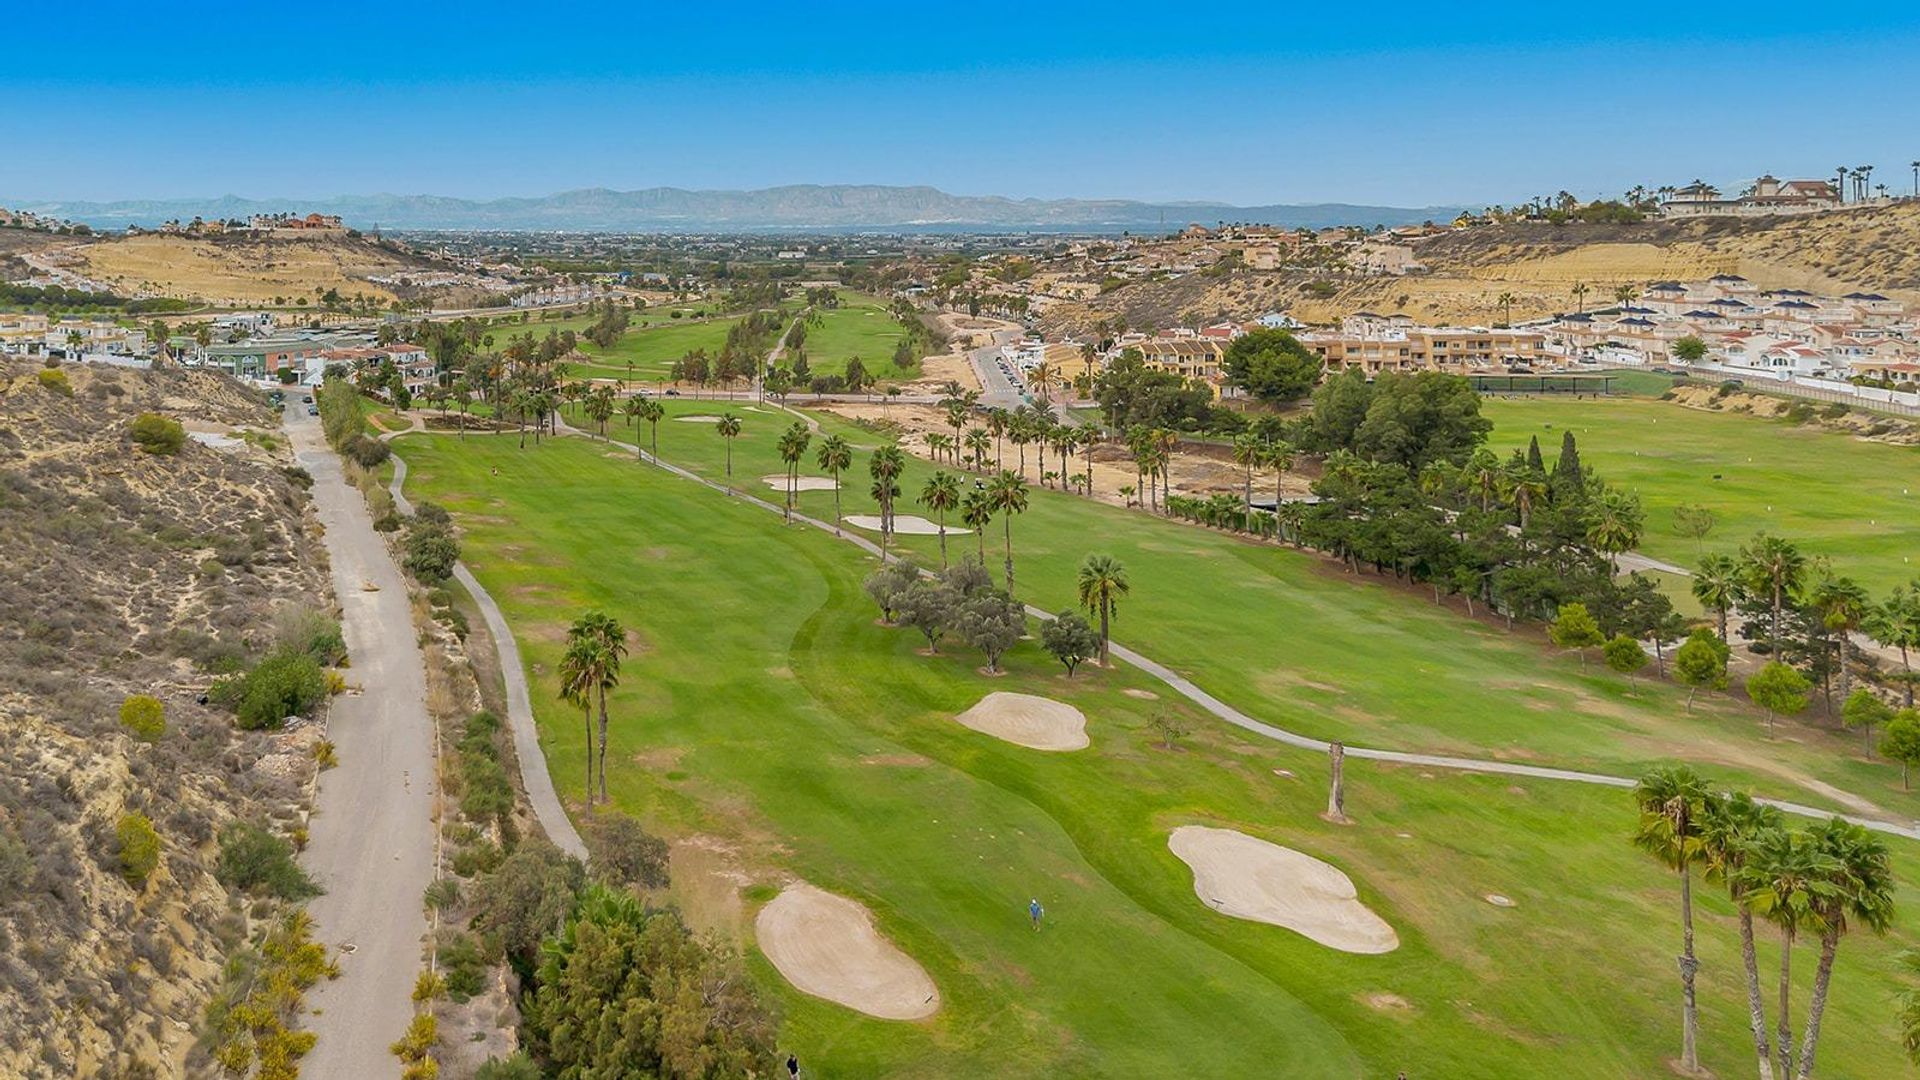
(886, 465)
(1103, 581)
(1785, 880)
(1617, 524)
(1009, 494)
(1043, 377)
(653, 412)
(1525, 486)
(632, 408)
(1506, 301)
(941, 493)
(1020, 431)
(976, 511)
(1580, 290)
(729, 428)
(997, 424)
(793, 446)
(1249, 450)
(1625, 294)
(1775, 568)
(1895, 622)
(1718, 584)
(1670, 801)
(1842, 604)
(1729, 825)
(1863, 884)
(578, 669)
(835, 456)
(609, 646)
(977, 440)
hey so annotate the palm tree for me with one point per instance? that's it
(632, 408)
(997, 424)
(652, 412)
(1670, 801)
(1773, 567)
(1862, 881)
(1249, 450)
(1103, 581)
(886, 465)
(793, 446)
(1896, 623)
(1842, 604)
(1784, 880)
(1717, 585)
(1525, 486)
(1729, 825)
(940, 494)
(609, 645)
(578, 667)
(1580, 290)
(1506, 301)
(1625, 295)
(835, 456)
(729, 428)
(1020, 430)
(1617, 524)
(1043, 377)
(977, 513)
(1008, 492)
(977, 440)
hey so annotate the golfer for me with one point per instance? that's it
(1034, 911)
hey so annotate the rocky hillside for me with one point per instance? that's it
(1872, 249)
(125, 573)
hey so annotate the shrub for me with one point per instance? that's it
(625, 853)
(442, 894)
(365, 452)
(517, 1067)
(254, 860)
(144, 716)
(139, 848)
(298, 476)
(531, 893)
(55, 380)
(475, 859)
(431, 552)
(465, 967)
(157, 434)
(284, 684)
(16, 866)
(314, 633)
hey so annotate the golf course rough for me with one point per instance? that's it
(827, 946)
(1248, 878)
(1028, 720)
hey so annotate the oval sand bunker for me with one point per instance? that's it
(804, 483)
(903, 524)
(827, 946)
(1036, 723)
(1247, 878)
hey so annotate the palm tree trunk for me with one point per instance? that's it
(1006, 519)
(603, 744)
(1756, 1007)
(1105, 636)
(1829, 945)
(836, 502)
(1689, 1012)
(586, 711)
(943, 538)
(1783, 1034)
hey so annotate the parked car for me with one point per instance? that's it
(306, 399)
(672, 392)
(313, 410)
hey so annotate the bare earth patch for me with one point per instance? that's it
(804, 483)
(1143, 695)
(1248, 878)
(903, 524)
(1026, 720)
(827, 946)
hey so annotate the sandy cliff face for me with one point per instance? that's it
(124, 573)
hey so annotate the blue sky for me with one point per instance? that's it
(1256, 103)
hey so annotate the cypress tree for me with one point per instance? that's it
(1568, 481)
(1534, 460)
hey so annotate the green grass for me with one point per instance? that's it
(1288, 638)
(1853, 501)
(821, 745)
(652, 350)
(861, 326)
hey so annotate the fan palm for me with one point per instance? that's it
(1008, 493)
(1717, 585)
(1616, 524)
(1843, 605)
(577, 672)
(886, 465)
(1250, 450)
(1670, 801)
(729, 428)
(1729, 825)
(1896, 623)
(977, 512)
(1103, 581)
(1787, 880)
(793, 446)
(1863, 884)
(1774, 568)
(653, 412)
(835, 457)
(941, 493)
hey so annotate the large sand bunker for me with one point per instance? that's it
(903, 524)
(1034, 722)
(696, 419)
(1238, 875)
(805, 483)
(827, 946)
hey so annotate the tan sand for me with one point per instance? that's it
(827, 946)
(1034, 722)
(805, 483)
(695, 419)
(1247, 878)
(904, 525)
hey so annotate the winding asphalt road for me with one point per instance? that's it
(371, 840)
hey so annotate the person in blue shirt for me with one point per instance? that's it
(1034, 911)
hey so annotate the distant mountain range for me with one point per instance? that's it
(797, 208)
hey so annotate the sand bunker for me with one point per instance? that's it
(1238, 875)
(827, 946)
(695, 419)
(903, 524)
(1034, 722)
(805, 483)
